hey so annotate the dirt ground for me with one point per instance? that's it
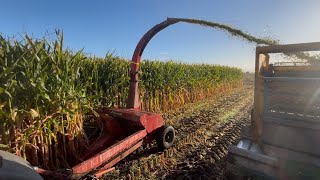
(204, 130)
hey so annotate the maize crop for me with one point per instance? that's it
(47, 92)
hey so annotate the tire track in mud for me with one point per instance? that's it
(205, 158)
(204, 131)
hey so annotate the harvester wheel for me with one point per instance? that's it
(165, 137)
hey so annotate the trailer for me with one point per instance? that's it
(282, 141)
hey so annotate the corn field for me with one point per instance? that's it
(47, 93)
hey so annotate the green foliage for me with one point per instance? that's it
(166, 85)
(46, 92)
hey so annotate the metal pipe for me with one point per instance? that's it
(133, 97)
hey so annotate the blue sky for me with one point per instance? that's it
(102, 26)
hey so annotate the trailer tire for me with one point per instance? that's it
(165, 137)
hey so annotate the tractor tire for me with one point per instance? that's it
(165, 137)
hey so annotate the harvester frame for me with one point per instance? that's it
(131, 126)
(128, 128)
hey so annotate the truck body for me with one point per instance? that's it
(282, 141)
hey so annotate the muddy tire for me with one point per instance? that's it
(165, 137)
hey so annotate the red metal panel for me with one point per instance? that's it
(129, 114)
(102, 172)
(117, 159)
(43, 171)
(98, 145)
(109, 153)
(150, 121)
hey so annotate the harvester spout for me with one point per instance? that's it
(133, 97)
